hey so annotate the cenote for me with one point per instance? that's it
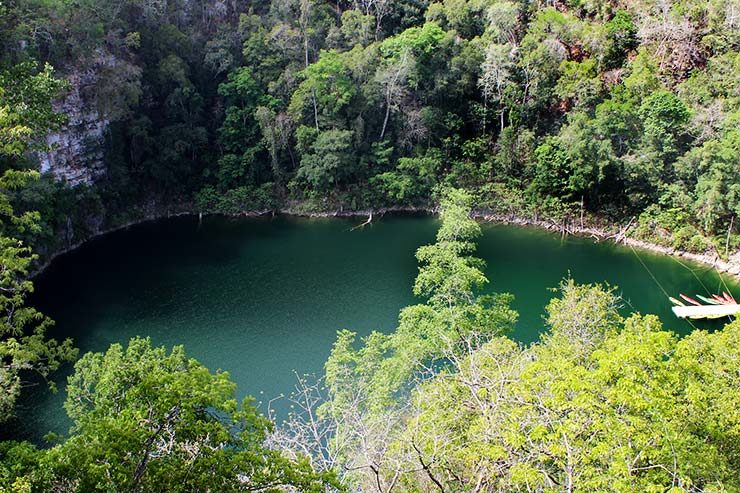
(263, 297)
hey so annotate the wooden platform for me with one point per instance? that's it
(706, 311)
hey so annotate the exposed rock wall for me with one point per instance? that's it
(106, 85)
(75, 152)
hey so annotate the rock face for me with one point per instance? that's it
(734, 264)
(75, 152)
(104, 84)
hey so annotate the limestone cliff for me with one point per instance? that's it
(75, 152)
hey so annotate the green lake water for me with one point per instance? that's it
(264, 297)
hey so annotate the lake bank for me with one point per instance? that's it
(599, 230)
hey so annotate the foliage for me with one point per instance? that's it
(329, 161)
(143, 418)
(579, 411)
(622, 34)
(326, 89)
(236, 200)
(23, 345)
(25, 110)
(447, 403)
(411, 182)
(340, 105)
(366, 386)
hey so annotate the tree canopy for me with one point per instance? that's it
(148, 419)
(319, 106)
(447, 402)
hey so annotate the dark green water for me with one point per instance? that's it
(261, 298)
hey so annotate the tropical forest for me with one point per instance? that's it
(382, 246)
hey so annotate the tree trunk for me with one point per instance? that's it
(315, 109)
(727, 241)
(141, 466)
(385, 120)
(485, 111)
(313, 91)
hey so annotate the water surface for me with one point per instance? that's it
(264, 297)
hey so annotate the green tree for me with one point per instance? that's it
(331, 159)
(368, 387)
(240, 134)
(545, 46)
(326, 89)
(622, 35)
(601, 403)
(145, 419)
(664, 118)
(357, 28)
(25, 109)
(25, 115)
(579, 83)
(24, 348)
(712, 171)
(617, 119)
(411, 182)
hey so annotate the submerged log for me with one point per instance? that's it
(368, 221)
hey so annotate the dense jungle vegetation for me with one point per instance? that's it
(615, 110)
(619, 109)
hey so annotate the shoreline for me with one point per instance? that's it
(618, 236)
(621, 236)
